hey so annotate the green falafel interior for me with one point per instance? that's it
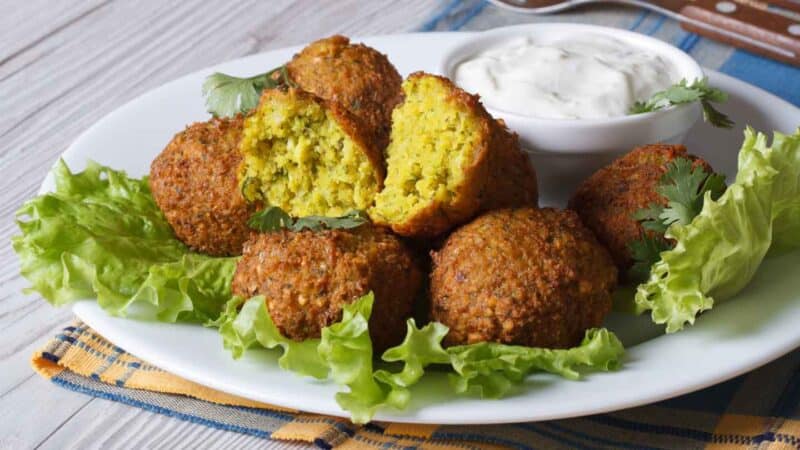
(717, 254)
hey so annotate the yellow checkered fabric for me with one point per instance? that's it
(754, 411)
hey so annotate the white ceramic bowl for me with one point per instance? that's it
(571, 149)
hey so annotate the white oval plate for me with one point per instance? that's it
(758, 326)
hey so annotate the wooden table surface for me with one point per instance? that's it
(63, 66)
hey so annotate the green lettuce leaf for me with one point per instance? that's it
(420, 348)
(490, 370)
(717, 254)
(247, 323)
(785, 158)
(192, 289)
(101, 235)
(344, 354)
(347, 349)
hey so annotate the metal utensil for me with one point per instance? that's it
(769, 28)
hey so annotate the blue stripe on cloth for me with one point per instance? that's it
(692, 42)
(787, 403)
(469, 15)
(536, 428)
(714, 399)
(50, 357)
(433, 21)
(322, 444)
(656, 26)
(642, 15)
(781, 79)
(686, 41)
(161, 410)
(617, 422)
(479, 438)
(596, 439)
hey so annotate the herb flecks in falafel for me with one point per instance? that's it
(447, 161)
(308, 276)
(194, 182)
(532, 277)
(308, 156)
(358, 77)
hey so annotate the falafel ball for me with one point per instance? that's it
(448, 160)
(358, 77)
(307, 277)
(533, 277)
(194, 183)
(607, 201)
(308, 156)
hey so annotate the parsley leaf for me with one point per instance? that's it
(645, 251)
(227, 95)
(651, 218)
(684, 185)
(683, 92)
(274, 218)
(352, 219)
(270, 218)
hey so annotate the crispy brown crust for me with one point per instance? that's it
(194, 182)
(528, 276)
(500, 174)
(307, 277)
(358, 77)
(512, 180)
(607, 200)
(355, 129)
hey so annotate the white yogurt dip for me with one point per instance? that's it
(583, 77)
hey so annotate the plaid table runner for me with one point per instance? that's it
(757, 410)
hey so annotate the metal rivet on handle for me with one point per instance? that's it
(794, 29)
(726, 7)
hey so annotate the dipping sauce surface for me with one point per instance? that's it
(583, 77)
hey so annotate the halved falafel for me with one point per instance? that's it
(359, 78)
(308, 156)
(608, 200)
(194, 183)
(308, 276)
(533, 277)
(447, 160)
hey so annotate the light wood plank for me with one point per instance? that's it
(31, 411)
(22, 24)
(63, 66)
(103, 424)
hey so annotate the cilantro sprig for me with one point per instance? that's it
(683, 92)
(684, 185)
(274, 218)
(227, 95)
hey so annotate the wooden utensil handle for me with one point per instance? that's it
(761, 31)
(791, 5)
